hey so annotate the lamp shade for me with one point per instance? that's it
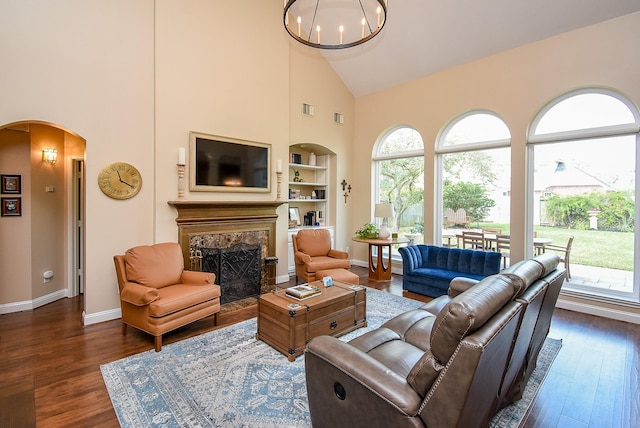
(384, 210)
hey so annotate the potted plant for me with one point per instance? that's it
(368, 231)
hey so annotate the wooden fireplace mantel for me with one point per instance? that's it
(203, 211)
(215, 217)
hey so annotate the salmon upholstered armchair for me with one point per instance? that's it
(312, 252)
(157, 295)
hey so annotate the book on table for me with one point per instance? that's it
(303, 292)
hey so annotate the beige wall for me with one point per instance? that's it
(35, 241)
(47, 213)
(314, 82)
(88, 67)
(15, 232)
(514, 84)
(132, 79)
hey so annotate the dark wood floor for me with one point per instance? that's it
(50, 375)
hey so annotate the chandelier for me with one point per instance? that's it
(334, 24)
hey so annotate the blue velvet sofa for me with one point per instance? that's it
(428, 269)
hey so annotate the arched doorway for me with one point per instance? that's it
(42, 246)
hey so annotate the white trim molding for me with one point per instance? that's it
(102, 316)
(27, 305)
(586, 308)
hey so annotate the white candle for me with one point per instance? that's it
(364, 21)
(318, 31)
(181, 156)
(279, 166)
(299, 21)
(341, 31)
(378, 10)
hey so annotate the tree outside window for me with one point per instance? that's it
(399, 163)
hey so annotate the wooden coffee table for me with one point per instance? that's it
(340, 309)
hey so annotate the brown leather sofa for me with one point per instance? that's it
(157, 295)
(312, 252)
(453, 362)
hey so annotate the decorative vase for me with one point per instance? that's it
(312, 159)
(385, 233)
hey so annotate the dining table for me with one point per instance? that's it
(538, 242)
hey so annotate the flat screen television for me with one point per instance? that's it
(228, 164)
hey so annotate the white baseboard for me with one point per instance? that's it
(27, 305)
(585, 308)
(95, 318)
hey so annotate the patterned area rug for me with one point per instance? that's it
(227, 378)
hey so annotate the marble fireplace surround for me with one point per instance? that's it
(222, 224)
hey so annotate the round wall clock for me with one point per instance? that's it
(120, 180)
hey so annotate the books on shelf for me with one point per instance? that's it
(302, 292)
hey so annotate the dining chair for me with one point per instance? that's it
(472, 239)
(537, 248)
(503, 246)
(565, 253)
(490, 243)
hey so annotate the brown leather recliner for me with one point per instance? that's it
(449, 363)
(312, 252)
(157, 295)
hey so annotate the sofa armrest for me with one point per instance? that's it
(460, 284)
(193, 277)
(436, 305)
(302, 258)
(337, 254)
(328, 359)
(138, 295)
(411, 258)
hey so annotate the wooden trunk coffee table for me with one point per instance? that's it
(340, 309)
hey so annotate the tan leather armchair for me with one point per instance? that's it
(312, 252)
(157, 295)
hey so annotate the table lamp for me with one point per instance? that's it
(384, 211)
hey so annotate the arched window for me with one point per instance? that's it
(582, 165)
(398, 166)
(473, 159)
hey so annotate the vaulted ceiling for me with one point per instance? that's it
(422, 37)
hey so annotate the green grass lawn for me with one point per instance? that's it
(612, 250)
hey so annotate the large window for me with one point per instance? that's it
(399, 179)
(474, 182)
(583, 155)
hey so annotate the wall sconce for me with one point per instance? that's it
(50, 155)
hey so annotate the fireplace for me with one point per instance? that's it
(238, 270)
(234, 239)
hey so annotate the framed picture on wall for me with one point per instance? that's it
(11, 206)
(10, 184)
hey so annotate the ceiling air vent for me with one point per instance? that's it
(308, 109)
